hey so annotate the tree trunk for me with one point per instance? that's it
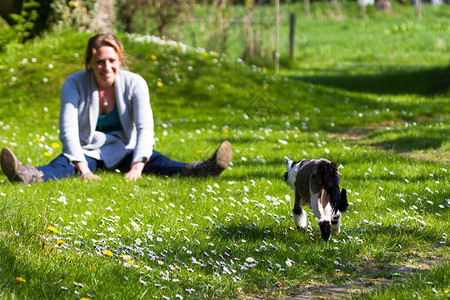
(104, 18)
(384, 5)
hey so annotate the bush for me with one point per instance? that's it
(7, 35)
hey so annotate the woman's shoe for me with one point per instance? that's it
(15, 171)
(212, 166)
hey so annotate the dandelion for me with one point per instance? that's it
(47, 154)
(125, 257)
(59, 242)
(20, 280)
(130, 262)
(107, 253)
(266, 85)
(159, 84)
(153, 57)
(55, 145)
(52, 229)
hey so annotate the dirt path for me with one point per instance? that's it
(365, 283)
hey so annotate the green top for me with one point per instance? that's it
(109, 122)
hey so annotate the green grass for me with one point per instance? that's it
(230, 237)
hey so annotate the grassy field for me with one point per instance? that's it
(379, 107)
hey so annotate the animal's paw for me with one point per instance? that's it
(325, 229)
(335, 231)
(301, 228)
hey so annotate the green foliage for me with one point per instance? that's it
(24, 22)
(7, 35)
(73, 14)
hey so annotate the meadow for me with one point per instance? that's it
(369, 94)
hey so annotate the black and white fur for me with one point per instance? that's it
(316, 184)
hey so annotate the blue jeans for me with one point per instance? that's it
(158, 164)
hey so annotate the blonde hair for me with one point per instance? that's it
(99, 40)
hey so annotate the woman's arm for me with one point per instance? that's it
(135, 172)
(84, 171)
(71, 95)
(143, 118)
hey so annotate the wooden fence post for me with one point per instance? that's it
(292, 21)
(277, 40)
(419, 8)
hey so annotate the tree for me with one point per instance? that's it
(104, 18)
(384, 5)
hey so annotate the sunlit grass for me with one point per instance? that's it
(231, 236)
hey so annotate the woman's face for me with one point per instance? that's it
(105, 63)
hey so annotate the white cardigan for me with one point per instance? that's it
(79, 114)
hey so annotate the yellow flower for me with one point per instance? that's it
(84, 9)
(199, 151)
(38, 140)
(48, 154)
(55, 145)
(107, 252)
(153, 57)
(20, 280)
(130, 262)
(85, 298)
(52, 229)
(74, 4)
(225, 130)
(59, 242)
(264, 69)
(159, 84)
(297, 131)
(116, 209)
(163, 138)
(266, 85)
(205, 54)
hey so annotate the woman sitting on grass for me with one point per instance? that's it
(106, 122)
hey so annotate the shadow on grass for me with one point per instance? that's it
(392, 80)
(407, 144)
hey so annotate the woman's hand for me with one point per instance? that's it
(85, 172)
(135, 172)
(90, 176)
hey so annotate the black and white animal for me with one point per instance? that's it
(316, 184)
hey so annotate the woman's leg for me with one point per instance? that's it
(61, 167)
(157, 164)
(162, 165)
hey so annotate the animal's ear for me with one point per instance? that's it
(288, 161)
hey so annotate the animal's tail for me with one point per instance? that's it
(330, 179)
